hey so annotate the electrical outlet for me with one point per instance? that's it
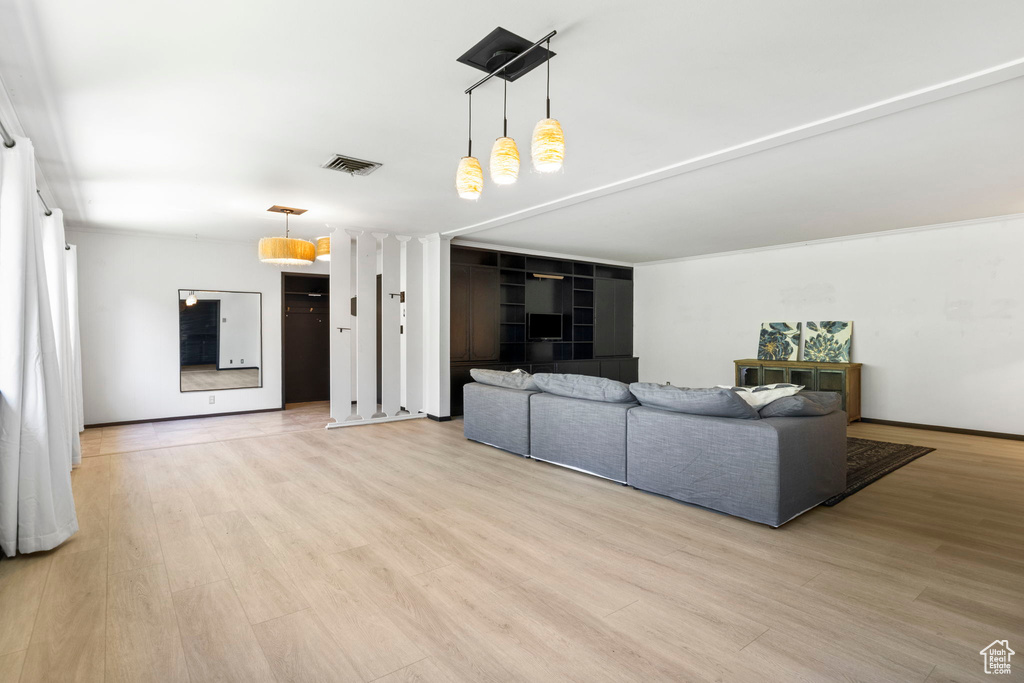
(231, 362)
(213, 399)
(241, 362)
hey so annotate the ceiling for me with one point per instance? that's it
(194, 117)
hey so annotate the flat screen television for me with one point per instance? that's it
(544, 326)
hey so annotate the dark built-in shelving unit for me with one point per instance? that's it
(493, 292)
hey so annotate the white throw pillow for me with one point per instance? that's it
(758, 397)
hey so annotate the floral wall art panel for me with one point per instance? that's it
(779, 341)
(828, 341)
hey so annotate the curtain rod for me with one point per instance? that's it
(8, 143)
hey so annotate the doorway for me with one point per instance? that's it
(305, 338)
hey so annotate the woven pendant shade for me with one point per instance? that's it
(548, 146)
(469, 180)
(504, 161)
(287, 251)
(323, 248)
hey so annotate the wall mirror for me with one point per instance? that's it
(220, 340)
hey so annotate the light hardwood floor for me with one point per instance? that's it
(263, 548)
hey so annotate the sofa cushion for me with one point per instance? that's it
(715, 402)
(762, 395)
(585, 387)
(804, 404)
(508, 380)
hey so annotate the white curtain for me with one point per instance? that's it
(54, 255)
(37, 511)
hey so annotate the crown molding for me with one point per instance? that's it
(459, 242)
(117, 232)
(841, 238)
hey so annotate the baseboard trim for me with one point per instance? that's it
(951, 430)
(181, 417)
(443, 418)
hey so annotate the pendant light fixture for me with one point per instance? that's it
(286, 250)
(469, 179)
(548, 145)
(323, 248)
(191, 299)
(504, 154)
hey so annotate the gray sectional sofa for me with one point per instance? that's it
(767, 469)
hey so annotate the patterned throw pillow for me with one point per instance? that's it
(758, 397)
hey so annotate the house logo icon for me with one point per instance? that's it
(997, 657)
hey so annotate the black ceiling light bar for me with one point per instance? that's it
(504, 69)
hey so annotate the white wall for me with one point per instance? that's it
(128, 288)
(938, 317)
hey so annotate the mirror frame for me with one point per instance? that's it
(222, 291)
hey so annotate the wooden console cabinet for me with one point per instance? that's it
(842, 378)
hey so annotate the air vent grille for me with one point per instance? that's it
(350, 165)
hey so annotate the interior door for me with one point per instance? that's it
(307, 344)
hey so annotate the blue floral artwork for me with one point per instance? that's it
(779, 341)
(830, 341)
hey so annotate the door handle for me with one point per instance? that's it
(342, 329)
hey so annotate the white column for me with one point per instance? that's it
(341, 339)
(366, 329)
(414, 333)
(391, 315)
(437, 330)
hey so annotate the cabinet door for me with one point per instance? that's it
(804, 377)
(484, 313)
(611, 369)
(774, 375)
(460, 312)
(748, 375)
(604, 317)
(833, 380)
(623, 318)
(629, 370)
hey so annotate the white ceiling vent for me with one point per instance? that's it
(350, 165)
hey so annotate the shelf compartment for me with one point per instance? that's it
(582, 351)
(514, 261)
(513, 294)
(583, 333)
(583, 283)
(582, 298)
(513, 313)
(583, 316)
(513, 277)
(513, 333)
(613, 273)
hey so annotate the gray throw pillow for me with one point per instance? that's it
(585, 387)
(509, 380)
(804, 404)
(714, 402)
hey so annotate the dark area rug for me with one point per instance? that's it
(868, 461)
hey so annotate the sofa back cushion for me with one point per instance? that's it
(585, 387)
(804, 404)
(713, 402)
(509, 380)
